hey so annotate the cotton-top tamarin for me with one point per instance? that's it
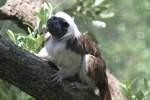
(74, 53)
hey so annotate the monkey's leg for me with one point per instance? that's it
(80, 85)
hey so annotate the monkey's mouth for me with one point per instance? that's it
(57, 26)
(54, 27)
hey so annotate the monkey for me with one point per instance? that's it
(74, 53)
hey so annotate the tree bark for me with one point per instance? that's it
(33, 75)
(30, 73)
(22, 9)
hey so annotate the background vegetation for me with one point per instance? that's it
(120, 28)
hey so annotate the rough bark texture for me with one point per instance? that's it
(30, 73)
(22, 9)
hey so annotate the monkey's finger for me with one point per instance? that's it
(54, 75)
(58, 80)
(54, 78)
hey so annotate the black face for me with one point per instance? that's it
(57, 26)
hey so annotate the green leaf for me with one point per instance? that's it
(29, 43)
(146, 83)
(29, 30)
(88, 3)
(11, 35)
(147, 93)
(140, 95)
(39, 41)
(14, 95)
(50, 8)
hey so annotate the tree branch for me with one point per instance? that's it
(33, 75)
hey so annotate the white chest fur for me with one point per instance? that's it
(61, 56)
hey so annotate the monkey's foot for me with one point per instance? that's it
(79, 85)
(58, 77)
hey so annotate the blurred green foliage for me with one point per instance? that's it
(121, 31)
(33, 41)
(2, 2)
(127, 36)
(9, 92)
(90, 8)
(27, 42)
(133, 93)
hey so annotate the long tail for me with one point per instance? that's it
(104, 91)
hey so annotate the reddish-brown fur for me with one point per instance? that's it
(97, 66)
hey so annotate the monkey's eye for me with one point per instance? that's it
(65, 24)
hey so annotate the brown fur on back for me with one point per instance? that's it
(96, 68)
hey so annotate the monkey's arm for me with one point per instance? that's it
(43, 54)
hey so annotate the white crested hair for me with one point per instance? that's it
(72, 29)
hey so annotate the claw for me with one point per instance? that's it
(57, 77)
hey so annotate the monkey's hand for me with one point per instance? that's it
(64, 72)
(58, 77)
